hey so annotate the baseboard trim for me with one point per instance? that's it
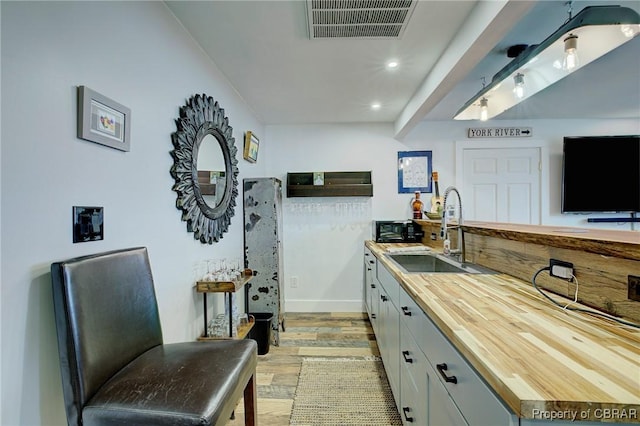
(324, 306)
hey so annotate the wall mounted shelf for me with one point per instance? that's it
(329, 184)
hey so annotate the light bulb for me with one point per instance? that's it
(484, 109)
(629, 30)
(518, 89)
(570, 61)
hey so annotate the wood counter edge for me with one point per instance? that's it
(623, 244)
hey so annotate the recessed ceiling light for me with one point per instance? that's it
(375, 106)
(392, 65)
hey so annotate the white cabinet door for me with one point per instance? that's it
(371, 293)
(389, 326)
(374, 305)
(389, 341)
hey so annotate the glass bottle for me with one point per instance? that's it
(417, 206)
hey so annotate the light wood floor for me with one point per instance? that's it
(317, 334)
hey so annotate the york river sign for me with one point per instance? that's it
(500, 132)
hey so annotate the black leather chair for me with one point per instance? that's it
(116, 370)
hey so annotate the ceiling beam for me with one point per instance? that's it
(488, 23)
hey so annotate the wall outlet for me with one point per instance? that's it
(634, 288)
(560, 269)
(293, 282)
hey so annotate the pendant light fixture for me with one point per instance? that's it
(570, 61)
(484, 109)
(518, 85)
(600, 30)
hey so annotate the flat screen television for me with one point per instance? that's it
(601, 174)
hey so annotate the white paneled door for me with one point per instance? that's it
(501, 185)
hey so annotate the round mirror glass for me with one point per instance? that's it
(212, 174)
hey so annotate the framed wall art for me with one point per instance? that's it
(414, 171)
(318, 178)
(103, 120)
(251, 146)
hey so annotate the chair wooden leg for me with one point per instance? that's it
(250, 403)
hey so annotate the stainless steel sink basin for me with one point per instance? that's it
(434, 263)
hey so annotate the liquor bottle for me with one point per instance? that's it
(417, 206)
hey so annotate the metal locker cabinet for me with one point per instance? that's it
(263, 249)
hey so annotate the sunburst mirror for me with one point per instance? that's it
(205, 168)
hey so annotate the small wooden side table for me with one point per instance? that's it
(227, 287)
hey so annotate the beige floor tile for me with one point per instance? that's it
(263, 379)
(346, 352)
(271, 412)
(298, 336)
(356, 315)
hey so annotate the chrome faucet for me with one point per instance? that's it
(444, 230)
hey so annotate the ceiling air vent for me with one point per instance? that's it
(358, 18)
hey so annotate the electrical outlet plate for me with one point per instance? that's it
(561, 269)
(88, 224)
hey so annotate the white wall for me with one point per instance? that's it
(323, 236)
(137, 54)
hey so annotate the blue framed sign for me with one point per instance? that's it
(414, 171)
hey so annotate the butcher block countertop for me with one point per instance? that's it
(536, 356)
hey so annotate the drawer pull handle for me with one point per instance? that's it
(372, 262)
(373, 286)
(406, 311)
(442, 368)
(373, 316)
(384, 298)
(405, 355)
(405, 410)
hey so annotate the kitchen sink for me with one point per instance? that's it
(434, 263)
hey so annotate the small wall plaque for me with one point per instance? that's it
(251, 146)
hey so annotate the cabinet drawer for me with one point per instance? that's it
(370, 262)
(413, 407)
(411, 357)
(442, 410)
(414, 381)
(390, 284)
(414, 318)
(473, 397)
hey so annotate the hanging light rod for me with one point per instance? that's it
(592, 33)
